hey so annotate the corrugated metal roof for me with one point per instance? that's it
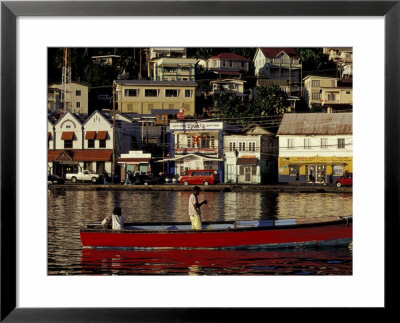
(316, 124)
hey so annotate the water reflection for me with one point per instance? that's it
(70, 210)
(206, 262)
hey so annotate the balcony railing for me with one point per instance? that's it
(195, 150)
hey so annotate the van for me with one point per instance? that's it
(199, 176)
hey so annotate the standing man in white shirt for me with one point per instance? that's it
(194, 208)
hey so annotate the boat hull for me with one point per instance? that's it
(337, 233)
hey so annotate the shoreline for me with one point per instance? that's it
(316, 188)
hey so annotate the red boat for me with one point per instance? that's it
(243, 234)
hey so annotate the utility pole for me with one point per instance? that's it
(140, 64)
(113, 147)
(147, 135)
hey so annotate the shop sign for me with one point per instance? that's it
(190, 126)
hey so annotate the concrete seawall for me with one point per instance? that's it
(206, 188)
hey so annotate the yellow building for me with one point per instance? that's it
(139, 96)
(326, 92)
(77, 97)
(315, 147)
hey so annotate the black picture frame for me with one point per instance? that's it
(10, 10)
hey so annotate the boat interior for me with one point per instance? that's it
(223, 225)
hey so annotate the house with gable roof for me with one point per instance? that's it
(278, 64)
(250, 156)
(76, 144)
(228, 65)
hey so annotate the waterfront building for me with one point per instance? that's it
(249, 157)
(142, 97)
(135, 161)
(315, 147)
(196, 145)
(77, 97)
(327, 93)
(76, 143)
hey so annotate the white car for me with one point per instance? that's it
(86, 175)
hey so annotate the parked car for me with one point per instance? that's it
(143, 179)
(55, 179)
(344, 181)
(199, 176)
(86, 175)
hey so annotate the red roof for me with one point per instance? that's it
(82, 155)
(273, 52)
(230, 56)
(67, 135)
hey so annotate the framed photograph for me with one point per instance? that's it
(29, 28)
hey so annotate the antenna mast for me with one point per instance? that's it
(66, 80)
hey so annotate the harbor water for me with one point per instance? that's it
(69, 210)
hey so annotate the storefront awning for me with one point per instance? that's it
(67, 135)
(102, 135)
(246, 161)
(79, 155)
(133, 161)
(90, 135)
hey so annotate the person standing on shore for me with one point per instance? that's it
(194, 208)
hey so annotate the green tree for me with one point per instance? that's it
(270, 100)
(228, 106)
(312, 58)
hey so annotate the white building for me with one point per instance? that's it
(315, 147)
(196, 145)
(75, 144)
(173, 69)
(249, 157)
(228, 65)
(278, 64)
